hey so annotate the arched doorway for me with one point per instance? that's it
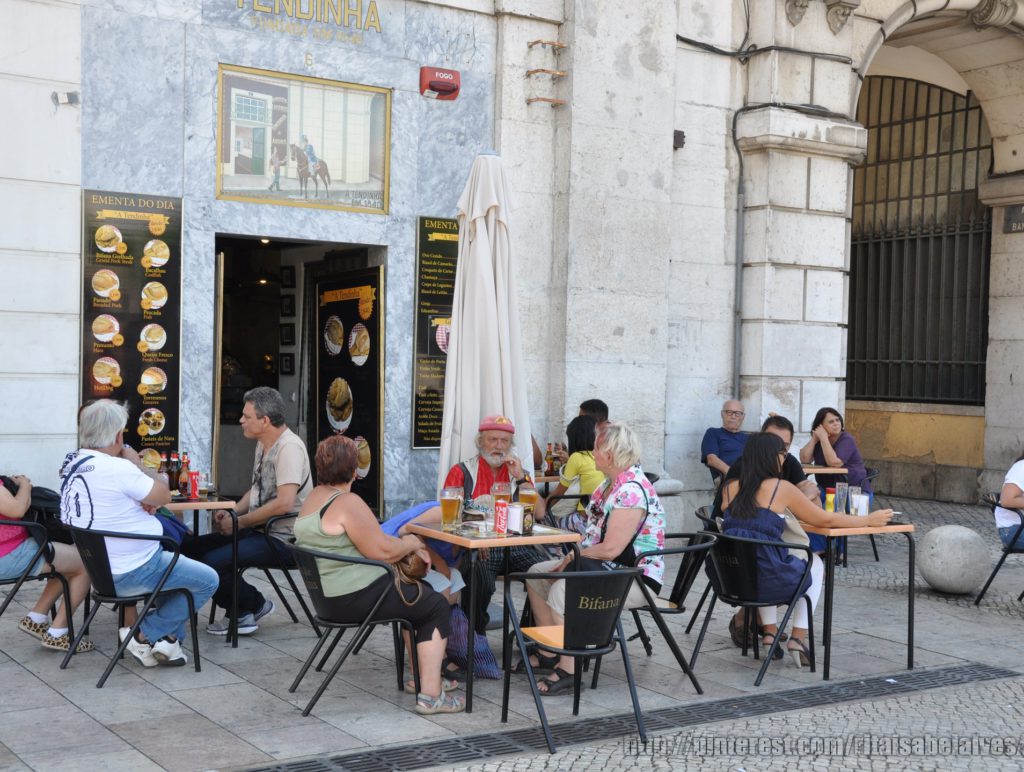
(919, 282)
(920, 247)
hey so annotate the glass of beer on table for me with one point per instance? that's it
(451, 508)
(501, 491)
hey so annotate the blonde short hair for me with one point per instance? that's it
(621, 442)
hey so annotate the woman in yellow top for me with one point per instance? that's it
(581, 433)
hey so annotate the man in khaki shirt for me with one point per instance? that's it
(281, 480)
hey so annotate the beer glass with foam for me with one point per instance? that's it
(451, 508)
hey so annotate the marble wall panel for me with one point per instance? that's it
(432, 148)
(131, 100)
(169, 10)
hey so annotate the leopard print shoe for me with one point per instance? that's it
(35, 629)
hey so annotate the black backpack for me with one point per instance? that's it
(44, 508)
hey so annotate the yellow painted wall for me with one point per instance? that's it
(922, 438)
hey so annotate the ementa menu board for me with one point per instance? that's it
(437, 253)
(131, 312)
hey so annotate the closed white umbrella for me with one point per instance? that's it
(484, 373)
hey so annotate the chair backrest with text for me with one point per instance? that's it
(594, 600)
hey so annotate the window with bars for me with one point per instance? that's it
(920, 247)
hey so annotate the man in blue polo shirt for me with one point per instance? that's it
(722, 446)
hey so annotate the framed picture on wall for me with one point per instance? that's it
(287, 334)
(287, 277)
(287, 306)
(287, 363)
(295, 140)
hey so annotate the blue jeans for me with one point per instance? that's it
(214, 550)
(1006, 537)
(14, 563)
(170, 616)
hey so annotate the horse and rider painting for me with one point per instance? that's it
(309, 166)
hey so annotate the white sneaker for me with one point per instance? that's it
(169, 653)
(143, 652)
(246, 625)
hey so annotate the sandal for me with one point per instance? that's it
(801, 655)
(782, 635)
(767, 639)
(447, 685)
(564, 683)
(545, 665)
(452, 669)
(442, 703)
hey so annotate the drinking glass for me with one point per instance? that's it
(501, 490)
(451, 508)
(528, 498)
(842, 496)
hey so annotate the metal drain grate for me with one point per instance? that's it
(475, 748)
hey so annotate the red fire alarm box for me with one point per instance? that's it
(437, 83)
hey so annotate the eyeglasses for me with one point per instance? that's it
(734, 413)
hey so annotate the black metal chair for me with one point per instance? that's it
(694, 552)
(37, 531)
(992, 500)
(711, 527)
(582, 498)
(285, 569)
(594, 602)
(734, 579)
(872, 474)
(266, 529)
(306, 560)
(92, 547)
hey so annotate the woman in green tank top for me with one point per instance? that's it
(333, 519)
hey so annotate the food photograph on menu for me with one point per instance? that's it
(131, 290)
(348, 369)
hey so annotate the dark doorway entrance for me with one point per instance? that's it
(264, 310)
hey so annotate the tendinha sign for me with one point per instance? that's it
(350, 14)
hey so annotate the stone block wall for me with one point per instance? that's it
(40, 205)
(699, 340)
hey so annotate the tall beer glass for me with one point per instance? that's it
(451, 508)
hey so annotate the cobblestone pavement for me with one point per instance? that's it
(972, 727)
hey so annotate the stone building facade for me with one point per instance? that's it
(683, 173)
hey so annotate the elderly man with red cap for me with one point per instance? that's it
(495, 462)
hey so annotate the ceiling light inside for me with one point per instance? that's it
(264, 241)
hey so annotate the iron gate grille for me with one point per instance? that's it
(920, 246)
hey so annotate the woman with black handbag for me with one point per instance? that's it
(16, 553)
(624, 519)
(334, 519)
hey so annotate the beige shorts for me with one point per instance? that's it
(553, 590)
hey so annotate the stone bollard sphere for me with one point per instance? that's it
(953, 559)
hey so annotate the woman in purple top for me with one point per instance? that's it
(832, 445)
